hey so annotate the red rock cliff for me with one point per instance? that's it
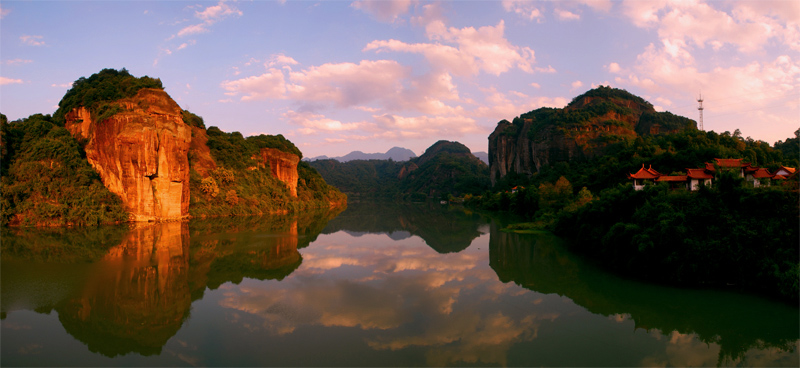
(141, 154)
(282, 164)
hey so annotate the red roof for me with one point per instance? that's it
(762, 173)
(790, 170)
(779, 177)
(643, 173)
(698, 174)
(730, 162)
(672, 178)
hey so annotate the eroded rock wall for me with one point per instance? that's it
(282, 164)
(141, 154)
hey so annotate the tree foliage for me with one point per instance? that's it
(46, 179)
(96, 92)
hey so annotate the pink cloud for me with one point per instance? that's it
(523, 8)
(566, 15)
(32, 40)
(471, 51)
(385, 11)
(311, 123)
(193, 29)
(268, 85)
(4, 81)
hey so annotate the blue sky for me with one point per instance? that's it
(338, 76)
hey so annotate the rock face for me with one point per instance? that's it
(282, 164)
(581, 130)
(140, 154)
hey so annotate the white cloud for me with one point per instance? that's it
(32, 40)
(4, 81)
(385, 11)
(576, 84)
(4, 12)
(62, 85)
(614, 68)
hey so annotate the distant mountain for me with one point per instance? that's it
(444, 168)
(395, 154)
(484, 156)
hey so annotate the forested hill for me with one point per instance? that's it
(584, 129)
(446, 168)
(119, 148)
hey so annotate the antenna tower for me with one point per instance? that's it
(700, 108)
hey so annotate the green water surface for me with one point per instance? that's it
(375, 285)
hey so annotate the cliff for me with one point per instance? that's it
(581, 130)
(140, 153)
(283, 166)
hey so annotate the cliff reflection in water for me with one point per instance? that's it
(735, 322)
(135, 295)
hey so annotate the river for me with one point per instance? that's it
(374, 285)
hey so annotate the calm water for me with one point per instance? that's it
(375, 285)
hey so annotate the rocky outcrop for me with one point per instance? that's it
(140, 153)
(201, 159)
(282, 164)
(581, 130)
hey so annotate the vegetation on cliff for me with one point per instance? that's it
(46, 180)
(240, 186)
(446, 168)
(98, 91)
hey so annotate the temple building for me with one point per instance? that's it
(694, 178)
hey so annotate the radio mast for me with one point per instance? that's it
(700, 108)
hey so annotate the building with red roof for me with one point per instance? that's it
(694, 178)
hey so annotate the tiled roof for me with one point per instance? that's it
(643, 173)
(790, 170)
(671, 178)
(779, 177)
(730, 162)
(698, 174)
(762, 173)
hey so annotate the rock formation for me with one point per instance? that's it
(140, 153)
(282, 164)
(581, 130)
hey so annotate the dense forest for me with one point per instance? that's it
(445, 169)
(46, 179)
(728, 234)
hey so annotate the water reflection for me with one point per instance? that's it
(135, 295)
(736, 323)
(446, 229)
(408, 285)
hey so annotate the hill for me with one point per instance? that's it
(119, 148)
(445, 168)
(582, 130)
(395, 154)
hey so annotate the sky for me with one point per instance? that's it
(339, 76)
